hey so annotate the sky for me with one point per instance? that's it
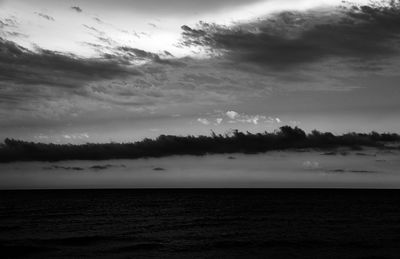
(77, 71)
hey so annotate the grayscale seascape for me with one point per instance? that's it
(200, 129)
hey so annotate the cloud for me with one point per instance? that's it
(215, 122)
(76, 136)
(8, 22)
(102, 37)
(49, 84)
(9, 27)
(110, 49)
(311, 165)
(130, 53)
(44, 67)
(203, 121)
(97, 19)
(290, 39)
(235, 117)
(249, 118)
(41, 136)
(76, 8)
(135, 78)
(232, 114)
(134, 55)
(45, 16)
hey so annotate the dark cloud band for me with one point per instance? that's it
(23, 66)
(292, 38)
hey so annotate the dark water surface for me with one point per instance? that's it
(200, 223)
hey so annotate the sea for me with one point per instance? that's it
(200, 223)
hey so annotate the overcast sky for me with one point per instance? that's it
(98, 71)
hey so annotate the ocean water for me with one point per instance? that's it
(200, 223)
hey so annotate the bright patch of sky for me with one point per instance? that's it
(54, 25)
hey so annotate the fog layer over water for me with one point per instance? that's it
(368, 168)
